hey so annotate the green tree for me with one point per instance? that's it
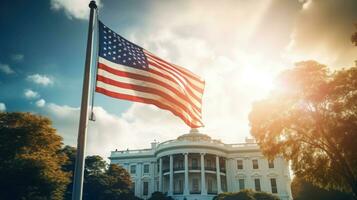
(68, 166)
(114, 183)
(246, 195)
(310, 119)
(94, 165)
(303, 190)
(100, 180)
(30, 158)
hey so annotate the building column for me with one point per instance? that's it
(171, 184)
(139, 172)
(186, 190)
(203, 176)
(218, 172)
(160, 175)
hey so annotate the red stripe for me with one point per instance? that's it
(165, 68)
(148, 101)
(187, 89)
(148, 79)
(188, 73)
(147, 90)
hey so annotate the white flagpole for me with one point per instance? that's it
(83, 120)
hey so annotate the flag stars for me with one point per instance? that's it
(118, 50)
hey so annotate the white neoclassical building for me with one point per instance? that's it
(179, 167)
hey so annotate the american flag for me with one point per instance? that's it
(127, 71)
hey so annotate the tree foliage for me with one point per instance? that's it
(246, 195)
(113, 183)
(354, 37)
(68, 166)
(303, 190)
(311, 119)
(30, 158)
(100, 180)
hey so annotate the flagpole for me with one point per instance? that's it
(83, 120)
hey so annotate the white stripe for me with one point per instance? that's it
(180, 82)
(149, 85)
(139, 94)
(177, 72)
(179, 67)
(148, 74)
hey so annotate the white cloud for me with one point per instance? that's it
(17, 57)
(40, 79)
(30, 94)
(2, 107)
(77, 9)
(6, 69)
(40, 103)
(136, 128)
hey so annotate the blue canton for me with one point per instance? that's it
(117, 49)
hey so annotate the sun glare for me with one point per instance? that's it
(260, 81)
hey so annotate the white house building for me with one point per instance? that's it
(179, 167)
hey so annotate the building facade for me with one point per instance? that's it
(179, 167)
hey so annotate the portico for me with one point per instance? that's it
(191, 173)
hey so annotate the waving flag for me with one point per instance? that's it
(127, 71)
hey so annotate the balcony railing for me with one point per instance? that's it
(210, 168)
(223, 170)
(194, 167)
(195, 192)
(179, 168)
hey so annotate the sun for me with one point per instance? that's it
(259, 81)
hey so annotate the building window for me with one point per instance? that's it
(257, 184)
(194, 163)
(179, 164)
(255, 164)
(178, 186)
(146, 188)
(195, 185)
(133, 187)
(240, 164)
(271, 164)
(146, 168)
(241, 184)
(274, 188)
(210, 185)
(133, 169)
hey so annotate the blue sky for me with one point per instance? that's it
(238, 47)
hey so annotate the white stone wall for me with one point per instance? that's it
(231, 154)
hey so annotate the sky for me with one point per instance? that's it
(237, 46)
